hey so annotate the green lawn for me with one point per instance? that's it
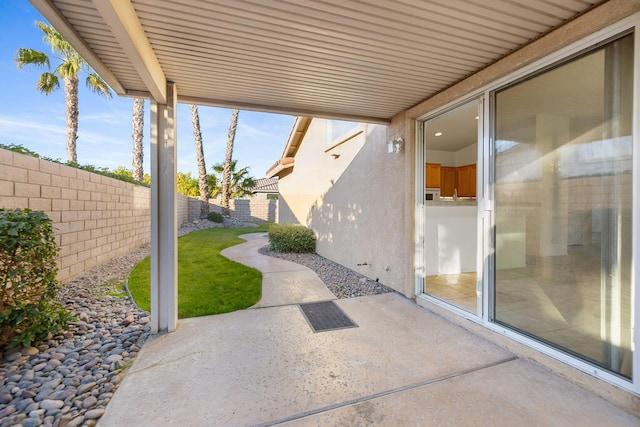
(208, 283)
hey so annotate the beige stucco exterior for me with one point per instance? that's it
(353, 197)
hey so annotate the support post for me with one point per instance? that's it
(164, 229)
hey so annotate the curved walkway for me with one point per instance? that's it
(401, 366)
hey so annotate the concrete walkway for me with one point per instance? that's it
(401, 366)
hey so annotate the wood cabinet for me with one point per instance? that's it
(432, 175)
(447, 181)
(466, 181)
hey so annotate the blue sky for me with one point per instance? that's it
(37, 122)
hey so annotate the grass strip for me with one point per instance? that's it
(208, 283)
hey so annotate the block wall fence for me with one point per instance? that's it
(96, 218)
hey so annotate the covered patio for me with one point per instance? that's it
(344, 60)
(389, 63)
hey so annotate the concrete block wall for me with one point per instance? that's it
(95, 218)
(245, 210)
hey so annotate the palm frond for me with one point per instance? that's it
(97, 85)
(54, 39)
(47, 83)
(25, 56)
(69, 69)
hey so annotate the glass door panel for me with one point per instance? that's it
(563, 193)
(451, 213)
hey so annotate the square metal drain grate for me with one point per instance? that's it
(326, 316)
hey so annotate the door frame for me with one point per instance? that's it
(420, 209)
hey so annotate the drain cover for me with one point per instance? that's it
(326, 316)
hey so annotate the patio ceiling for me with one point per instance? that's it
(349, 59)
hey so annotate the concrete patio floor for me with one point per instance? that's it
(401, 366)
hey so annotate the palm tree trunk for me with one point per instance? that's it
(71, 100)
(226, 174)
(138, 125)
(203, 184)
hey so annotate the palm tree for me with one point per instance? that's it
(138, 125)
(240, 183)
(70, 66)
(203, 183)
(226, 175)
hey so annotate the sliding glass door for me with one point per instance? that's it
(563, 206)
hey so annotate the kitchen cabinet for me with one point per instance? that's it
(466, 181)
(447, 181)
(432, 175)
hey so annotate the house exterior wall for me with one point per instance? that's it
(95, 218)
(354, 203)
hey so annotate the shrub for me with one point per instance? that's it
(291, 238)
(215, 217)
(29, 310)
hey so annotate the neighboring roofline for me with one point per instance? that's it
(298, 131)
(279, 166)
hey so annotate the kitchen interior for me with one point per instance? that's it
(451, 154)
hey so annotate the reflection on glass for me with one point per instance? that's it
(563, 206)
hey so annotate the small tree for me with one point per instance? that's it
(29, 309)
(240, 184)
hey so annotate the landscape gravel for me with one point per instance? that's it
(342, 281)
(68, 379)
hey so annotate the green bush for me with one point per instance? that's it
(29, 309)
(291, 238)
(215, 217)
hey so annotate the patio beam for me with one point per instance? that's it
(127, 29)
(164, 229)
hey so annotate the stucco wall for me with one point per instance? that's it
(355, 203)
(95, 218)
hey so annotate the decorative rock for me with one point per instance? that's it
(30, 351)
(39, 367)
(64, 394)
(114, 358)
(12, 356)
(62, 380)
(51, 404)
(31, 422)
(5, 397)
(14, 378)
(86, 387)
(77, 421)
(28, 375)
(36, 413)
(7, 411)
(89, 402)
(28, 394)
(93, 414)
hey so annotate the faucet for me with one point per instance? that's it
(455, 194)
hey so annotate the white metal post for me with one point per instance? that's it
(164, 230)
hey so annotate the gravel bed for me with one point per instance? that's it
(69, 379)
(343, 282)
